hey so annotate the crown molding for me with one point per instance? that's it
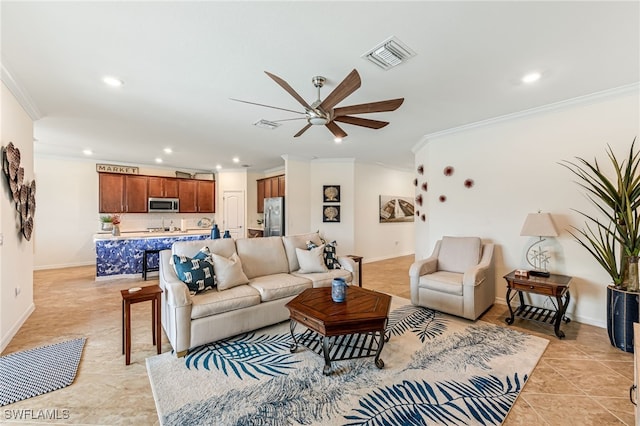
(20, 94)
(616, 91)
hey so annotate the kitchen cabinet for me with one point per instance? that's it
(111, 193)
(206, 198)
(135, 194)
(269, 187)
(188, 195)
(197, 196)
(122, 193)
(162, 187)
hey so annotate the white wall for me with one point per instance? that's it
(16, 253)
(514, 164)
(375, 240)
(297, 196)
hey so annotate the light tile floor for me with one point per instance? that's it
(580, 380)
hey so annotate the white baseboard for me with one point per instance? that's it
(393, 256)
(6, 339)
(63, 265)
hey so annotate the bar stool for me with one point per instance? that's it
(145, 263)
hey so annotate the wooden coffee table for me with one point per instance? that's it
(351, 329)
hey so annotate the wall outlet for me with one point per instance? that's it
(18, 290)
(1, 239)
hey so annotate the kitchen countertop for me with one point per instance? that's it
(128, 235)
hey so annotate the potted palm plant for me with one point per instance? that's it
(613, 238)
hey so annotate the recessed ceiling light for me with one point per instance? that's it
(337, 140)
(158, 160)
(112, 81)
(531, 77)
(87, 152)
(168, 150)
(236, 160)
(218, 166)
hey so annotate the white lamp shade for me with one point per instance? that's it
(539, 225)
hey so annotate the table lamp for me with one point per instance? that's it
(538, 225)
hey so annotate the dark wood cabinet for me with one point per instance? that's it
(260, 195)
(135, 194)
(111, 193)
(268, 188)
(162, 187)
(206, 196)
(188, 195)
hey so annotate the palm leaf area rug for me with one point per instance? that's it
(438, 370)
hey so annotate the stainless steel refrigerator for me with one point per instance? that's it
(274, 217)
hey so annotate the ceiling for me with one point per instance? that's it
(181, 62)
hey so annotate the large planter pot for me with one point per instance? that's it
(622, 312)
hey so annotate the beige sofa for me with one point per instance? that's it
(272, 268)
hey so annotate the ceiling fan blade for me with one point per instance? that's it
(336, 130)
(304, 129)
(381, 106)
(289, 89)
(349, 85)
(364, 122)
(268, 106)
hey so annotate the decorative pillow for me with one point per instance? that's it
(195, 272)
(229, 272)
(311, 260)
(330, 257)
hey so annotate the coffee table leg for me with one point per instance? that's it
(378, 361)
(327, 359)
(292, 327)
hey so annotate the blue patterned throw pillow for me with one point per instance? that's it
(197, 271)
(330, 257)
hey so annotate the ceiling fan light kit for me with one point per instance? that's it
(322, 112)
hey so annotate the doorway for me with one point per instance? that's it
(233, 213)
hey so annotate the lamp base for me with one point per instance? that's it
(539, 273)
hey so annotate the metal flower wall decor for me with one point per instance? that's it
(23, 193)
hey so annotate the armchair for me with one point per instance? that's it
(457, 279)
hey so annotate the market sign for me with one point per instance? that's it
(113, 168)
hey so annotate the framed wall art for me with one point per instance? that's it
(331, 193)
(395, 208)
(331, 214)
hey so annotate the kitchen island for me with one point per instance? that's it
(122, 256)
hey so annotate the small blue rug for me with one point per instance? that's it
(37, 371)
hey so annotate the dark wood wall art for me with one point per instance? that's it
(331, 214)
(23, 193)
(331, 193)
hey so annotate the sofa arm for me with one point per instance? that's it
(349, 265)
(176, 292)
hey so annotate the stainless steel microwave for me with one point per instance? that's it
(164, 205)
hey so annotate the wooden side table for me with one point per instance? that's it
(358, 260)
(555, 286)
(153, 293)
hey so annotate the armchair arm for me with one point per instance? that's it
(478, 274)
(423, 267)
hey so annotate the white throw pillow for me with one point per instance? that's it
(228, 272)
(311, 260)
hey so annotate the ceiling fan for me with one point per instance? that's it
(322, 112)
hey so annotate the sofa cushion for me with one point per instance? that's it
(278, 286)
(215, 302)
(443, 282)
(311, 260)
(291, 242)
(262, 256)
(323, 279)
(458, 254)
(330, 257)
(196, 272)
(228, 271)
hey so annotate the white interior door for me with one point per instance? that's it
(233, 210)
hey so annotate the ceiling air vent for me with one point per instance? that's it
(266, 124)
(389, 53)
